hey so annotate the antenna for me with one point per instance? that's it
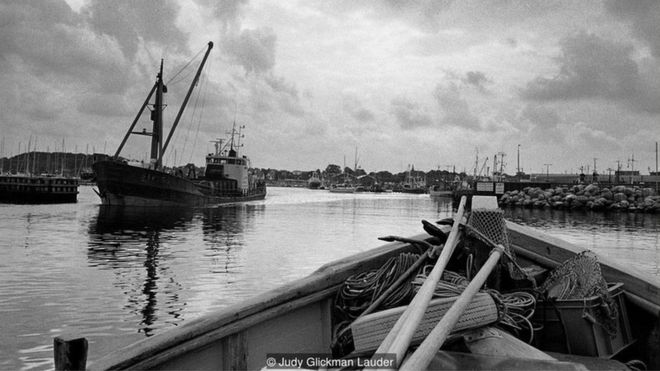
(547, 170)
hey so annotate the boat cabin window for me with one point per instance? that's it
(230, 161)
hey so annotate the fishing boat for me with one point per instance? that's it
(28, 188)
(472, 292)
(342, 188)
(314, 182)
(412, 183)
(227, 177)
(438, 190)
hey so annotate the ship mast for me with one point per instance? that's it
(158, 147)
(183, 105)
(157, 118)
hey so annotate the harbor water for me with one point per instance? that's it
(118, 275)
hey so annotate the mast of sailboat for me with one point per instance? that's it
(183, 105)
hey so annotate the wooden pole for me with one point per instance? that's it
(398, 339)
(434, 340)
(70, 354)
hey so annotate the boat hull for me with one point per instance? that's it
(297, 318)
(38, 189)
(125, 185)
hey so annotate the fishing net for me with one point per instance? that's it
(489, 226)
(578, 278)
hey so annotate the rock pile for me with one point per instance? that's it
(588, 197)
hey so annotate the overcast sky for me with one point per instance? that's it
(424, 82)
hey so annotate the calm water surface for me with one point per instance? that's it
(118, 275)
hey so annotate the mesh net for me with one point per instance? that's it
(489, 224)
(581, 277)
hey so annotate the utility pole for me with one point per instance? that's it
(656, 167)
(502, 154)
(595, 158)
(547, 171)
(594, 176)
(618, 171)
(631, 161)
(518, 165)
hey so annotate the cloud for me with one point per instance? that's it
(130, 21)
(589, 67)
(355, 109)
(643, 17)
(254, 50)
(594, 68)
(108, 105)
(582, 135)
(476, 79)
(455, 108)
(543, 123)
(49, 42)
(227, 11)
(423, 15)
(278, 84)
(409, 115)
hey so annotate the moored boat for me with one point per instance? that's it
(308, 316)
(413, 183)
(439, 191)
(227, 178)
(27, 188)
(314, 182)
(342, 188)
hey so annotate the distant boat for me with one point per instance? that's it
(226, 179)
(26, 188)
(439, 191)
(314, 182)
(342, 188)
(412, 183)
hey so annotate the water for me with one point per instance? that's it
(116, 276)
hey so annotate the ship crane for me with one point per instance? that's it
(482, 167)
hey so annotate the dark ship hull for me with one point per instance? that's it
(121, 184)
(23, 189)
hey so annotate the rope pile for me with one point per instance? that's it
(360, 290)
(516, 309)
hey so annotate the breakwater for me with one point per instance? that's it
(585, 197)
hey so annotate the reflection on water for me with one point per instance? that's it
(127, 239)
(155, 259)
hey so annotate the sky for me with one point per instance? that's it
(431, 84)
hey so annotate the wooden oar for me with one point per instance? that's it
(424, 354)
(398, 339)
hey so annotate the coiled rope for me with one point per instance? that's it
(515, 309)
(361, 290)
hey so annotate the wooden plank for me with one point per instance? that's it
(70, 354)
(235, 351)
